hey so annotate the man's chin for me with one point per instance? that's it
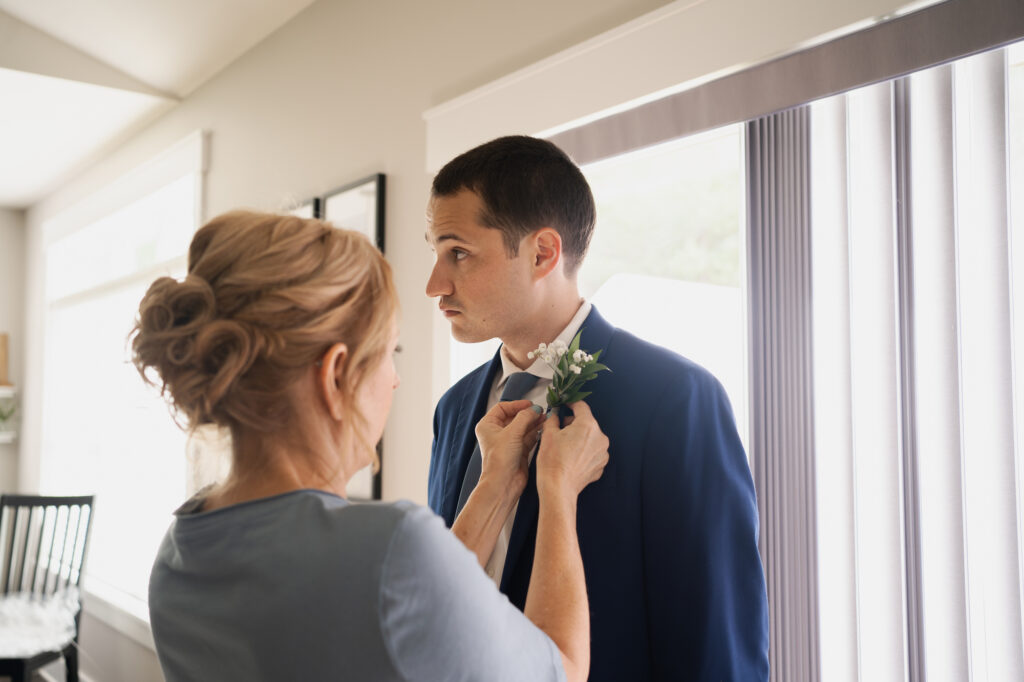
(463, 335)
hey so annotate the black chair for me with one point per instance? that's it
(42, 544)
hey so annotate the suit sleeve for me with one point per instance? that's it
(704, 583)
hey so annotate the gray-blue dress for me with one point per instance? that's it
(305, 586)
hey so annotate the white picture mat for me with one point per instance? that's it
(303, 211)
(354, 209)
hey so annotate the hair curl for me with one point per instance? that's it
(265, 296)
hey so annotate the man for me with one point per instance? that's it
(668, 535)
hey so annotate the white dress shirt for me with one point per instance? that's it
(538, 395)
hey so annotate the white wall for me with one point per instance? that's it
(12, 301)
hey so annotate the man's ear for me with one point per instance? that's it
(546, 246)
(331, 369)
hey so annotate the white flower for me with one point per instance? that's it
(530, 355)
(566, 385)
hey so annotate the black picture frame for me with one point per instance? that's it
(359, 206)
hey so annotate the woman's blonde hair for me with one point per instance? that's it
(265, 297)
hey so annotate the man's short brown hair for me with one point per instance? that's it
(525, 184)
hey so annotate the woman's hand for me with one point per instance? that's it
(506, 435)
(573, 457)
(569, 459)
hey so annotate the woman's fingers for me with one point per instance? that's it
(551, 424)
(581, 409)
(575, 453)
(511, 424)
(524, 421)
(502, 414)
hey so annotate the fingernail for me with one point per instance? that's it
(537, 409)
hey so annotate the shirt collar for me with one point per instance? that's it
(540, 368)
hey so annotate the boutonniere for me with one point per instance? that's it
(572, 367)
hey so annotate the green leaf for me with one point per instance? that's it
(575, 344)
(591, 371)
(577, 396)
(597, 354)
(563, 364)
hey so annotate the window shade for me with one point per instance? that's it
(935, 35)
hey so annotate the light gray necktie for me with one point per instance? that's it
(517, 386)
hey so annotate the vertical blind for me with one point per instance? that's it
(781, 422)
(916, 437)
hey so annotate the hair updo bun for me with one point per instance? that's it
(265, 296)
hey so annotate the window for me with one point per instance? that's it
(666, 262)
(103, 430)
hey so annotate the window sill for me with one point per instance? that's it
(125, 614)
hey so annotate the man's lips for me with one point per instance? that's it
(449, 312)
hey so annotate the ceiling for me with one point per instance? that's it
(77, 77)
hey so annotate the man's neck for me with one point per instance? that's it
(544, 329)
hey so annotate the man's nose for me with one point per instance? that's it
(438, 284)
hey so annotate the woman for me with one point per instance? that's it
(283, 331)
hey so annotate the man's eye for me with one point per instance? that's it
(458, 254)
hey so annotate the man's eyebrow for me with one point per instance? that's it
(448, 236)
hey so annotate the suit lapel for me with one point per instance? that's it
(471, 410)
(596, 335)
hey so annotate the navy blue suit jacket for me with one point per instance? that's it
(668, 534)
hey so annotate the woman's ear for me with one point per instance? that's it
(331, 370)
(547, 250)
